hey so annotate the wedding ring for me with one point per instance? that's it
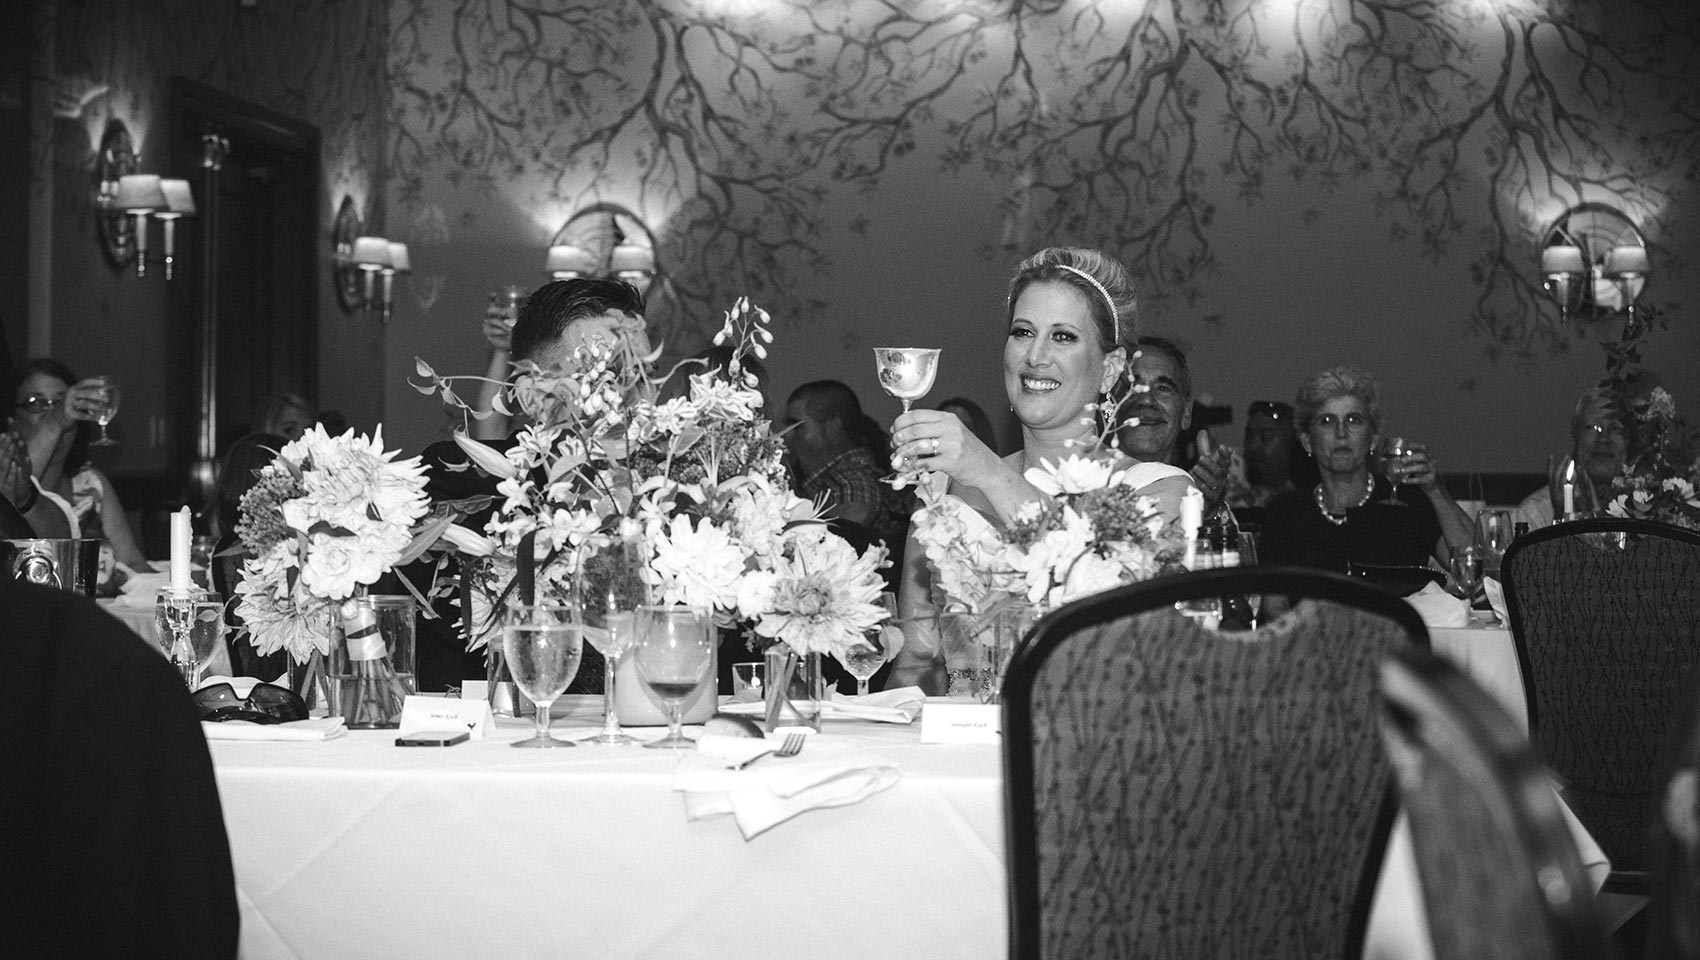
(935, 445)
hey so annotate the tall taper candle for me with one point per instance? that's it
(1570, 490)
(180, 538)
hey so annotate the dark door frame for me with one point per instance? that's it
(204, 121)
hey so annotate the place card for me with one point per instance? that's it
(444, 713)
(943, 722)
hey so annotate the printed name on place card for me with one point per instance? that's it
(961, 723)
(444, 713)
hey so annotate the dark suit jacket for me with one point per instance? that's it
(115, 842)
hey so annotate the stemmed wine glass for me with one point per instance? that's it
(675, 650)
(865, 659)
(610, 588)
(1466, 568)
(543, 644)
(1387, 457)
(110, 394)
(906, 373)
(1248, 558)
(1493, 536)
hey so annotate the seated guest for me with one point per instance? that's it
(1599, 449)
(286, 415)
(16, 489)
(823, 423)
(1156, 406)
(54, 416)
(1274, 461)
(975, 418)
(1351, 516)
(116, 844)
(555, 320)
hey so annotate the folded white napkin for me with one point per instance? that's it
(768, 793)
(901, 705)
(1496, 599)
(317, 728)
(142, 590)
(1439, 608)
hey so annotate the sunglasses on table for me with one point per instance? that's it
(266, 703)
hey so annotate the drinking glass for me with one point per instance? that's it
(906, 372)
(189, 628)
(675, 646)
(543, 644)
(1493, 534)
(1387, 458)
(1248, 558)
(1466, 567)
(611, 586)
(865, 659)
(108, 408)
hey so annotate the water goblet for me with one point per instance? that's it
(611, 586)
(543, 644)
(1466, 567)
(1388, 458)
(906, 372)
(675, 647)
(1248, 558)
(863, 660)
(108, 409)
(1493, 534)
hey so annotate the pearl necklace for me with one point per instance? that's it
(1339, 520)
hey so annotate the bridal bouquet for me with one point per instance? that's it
(700, 476)
(1660, 482)
(1093, 533)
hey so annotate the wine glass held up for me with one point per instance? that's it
(675, 651)
(543, 644)
(906, 373)
(101, 399)
(1388, 459)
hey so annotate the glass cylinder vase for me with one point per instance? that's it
(372, 660)
(795, 688)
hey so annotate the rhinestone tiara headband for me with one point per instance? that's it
(1115, 317)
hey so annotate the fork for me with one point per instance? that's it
(790, 747)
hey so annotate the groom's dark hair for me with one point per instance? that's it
(547, 312)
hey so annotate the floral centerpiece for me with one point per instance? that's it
(1661, 481)
(699, 476)
(324, 521)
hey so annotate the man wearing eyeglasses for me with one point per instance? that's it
(1599, 449)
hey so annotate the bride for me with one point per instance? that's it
(1071, 321)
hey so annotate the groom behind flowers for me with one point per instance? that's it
(555, 320)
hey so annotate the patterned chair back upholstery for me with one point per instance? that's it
(1500, 874)
(1606, 617)
(1675, 933)
(1173, 791)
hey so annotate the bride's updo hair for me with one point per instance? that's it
(1099, 278)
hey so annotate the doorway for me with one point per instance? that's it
(248, 315)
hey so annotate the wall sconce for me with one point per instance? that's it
(139, 194)
(116, 159)
(1594, 263)
(179, 203)
(345, 276)
(371, 257)
(603, 240)
(399, 263)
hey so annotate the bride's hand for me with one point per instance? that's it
(938, 440)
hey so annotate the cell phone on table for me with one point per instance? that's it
(433, 738)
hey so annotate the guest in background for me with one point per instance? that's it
(555, 320)
(115, 844)
(975, 418)
(27, 512)
(1274, 461)
(53, 416)
(286, 415)
(823, 433)
(1155, 406)
(1347, 518)
(1599, 449)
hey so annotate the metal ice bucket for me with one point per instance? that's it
(72, 565)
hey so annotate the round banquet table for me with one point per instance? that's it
(353, 847)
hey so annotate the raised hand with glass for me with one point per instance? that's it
(107, 406)
(543, 644)
(906, 373)
(1388, 459)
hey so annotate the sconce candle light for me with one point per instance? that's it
(1594, 263)
(179, 203)
(139, 194)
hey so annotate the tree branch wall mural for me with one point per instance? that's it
(730, 122)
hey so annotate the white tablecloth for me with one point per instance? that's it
(357, 848)
(1488, 656)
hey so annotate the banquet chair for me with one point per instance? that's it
(1605, 614)
(1674, 932)
(1500, 874)
(1176, 791)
